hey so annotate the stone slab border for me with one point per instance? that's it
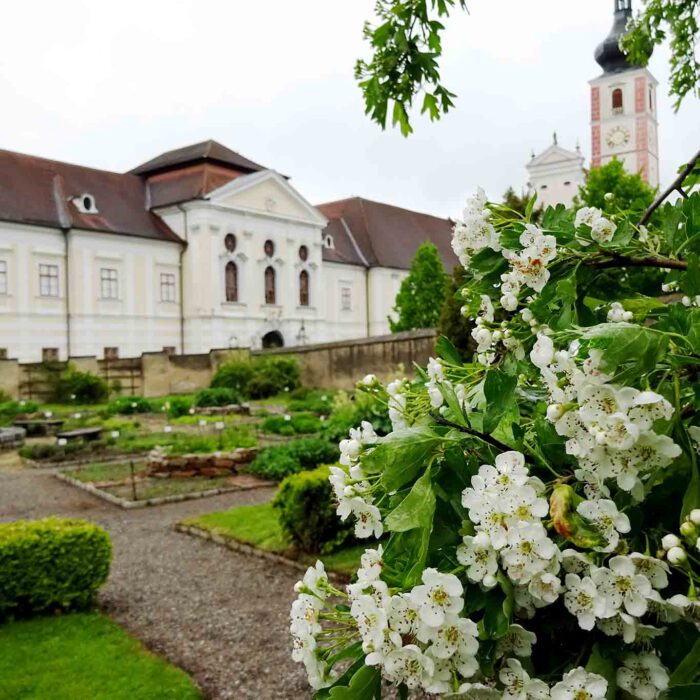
(162, 500)
(249, 550)
(78, 463)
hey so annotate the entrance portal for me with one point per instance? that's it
(273, 339)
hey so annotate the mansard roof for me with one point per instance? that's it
(374, 234)
(207, 151)
(41, 192)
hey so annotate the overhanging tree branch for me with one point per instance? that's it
(675, 186)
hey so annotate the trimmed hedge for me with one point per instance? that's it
(302, 423)
(307, 512)
(51, 563)
(264, 377)
(219, 396)
(278, 462)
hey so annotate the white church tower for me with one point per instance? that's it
(623, 107)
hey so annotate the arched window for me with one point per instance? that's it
(231, 282)
(617, 106)
(230, 242)
(303, 288)
(269, 248)
(303, 253)
(270, 296)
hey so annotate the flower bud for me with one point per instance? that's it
(694, 516)
(687, 529)
(677, 555)
(489, 581)
(554, 412)
(669, 541)
(609, 196)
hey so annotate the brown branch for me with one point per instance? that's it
(675, 186)
(651, 261)
(488, 439)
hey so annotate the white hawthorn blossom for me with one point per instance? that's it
(623, 587)
(642, 676)
(518, 685)
(578, 684)
(583, 600)
(438, 596)
(604, 514)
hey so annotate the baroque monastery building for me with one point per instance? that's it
(199, 248)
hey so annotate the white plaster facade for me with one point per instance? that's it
(126, 294)
(555, 175)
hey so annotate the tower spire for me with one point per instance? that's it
(608, 54)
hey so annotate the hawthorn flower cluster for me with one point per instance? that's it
(609, 428)
(417, 638)
(437, 385)
(475, 232)
(506, 507)
(351, 486)
(601, 229)
(473, 580)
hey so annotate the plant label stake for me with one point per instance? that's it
(133, 481)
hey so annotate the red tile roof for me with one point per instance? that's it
(40, 191)
(374, 234)
(210, 151)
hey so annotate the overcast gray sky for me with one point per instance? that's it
(112, 84)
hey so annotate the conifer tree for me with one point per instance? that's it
(422, 293)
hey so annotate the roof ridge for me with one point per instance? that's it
(65, 162)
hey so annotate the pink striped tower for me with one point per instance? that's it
(623, 106)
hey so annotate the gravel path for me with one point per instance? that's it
(221, 616)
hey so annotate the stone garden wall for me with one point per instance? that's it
(336, 365)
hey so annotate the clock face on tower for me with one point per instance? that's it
(617, 136)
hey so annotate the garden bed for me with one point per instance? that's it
(114, 483)
(83, 655)
(256, 530)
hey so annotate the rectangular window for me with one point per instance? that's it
(167, 286)
(111, 353)
(49, 354)
(109, 283)
(3, 277)
(346, 299)
(3, 353)
(48, 280)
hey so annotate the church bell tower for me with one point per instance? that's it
(623, 106)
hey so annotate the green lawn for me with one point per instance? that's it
(83, 656)
(258, 526)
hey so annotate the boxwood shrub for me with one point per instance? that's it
(219, 396)
(306, 512)
(282, 460)
(302, 423)
(51, 563)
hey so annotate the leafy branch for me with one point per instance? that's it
(406, 45)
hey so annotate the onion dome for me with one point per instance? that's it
(608, 54)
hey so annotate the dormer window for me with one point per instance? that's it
(328, 242)
(85, 204)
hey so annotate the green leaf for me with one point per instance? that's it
(682, 692)
(495, 621)
(691, 283)
(627, 342)
(364, 685)
(603, 665)
(499, 390)
(447, 351)
(416, 510)
(689, 669)
(401, 456)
